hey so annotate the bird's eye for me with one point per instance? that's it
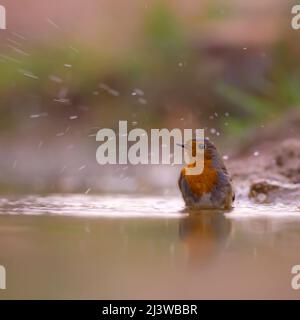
(201, 146)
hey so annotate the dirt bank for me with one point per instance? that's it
(267, 166)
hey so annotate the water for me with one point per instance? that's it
(123, 247)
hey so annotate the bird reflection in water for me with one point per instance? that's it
(204, 234)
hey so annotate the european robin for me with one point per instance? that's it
(210, 189)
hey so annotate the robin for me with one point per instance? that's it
(210, 189)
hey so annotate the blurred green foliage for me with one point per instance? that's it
(162, 32)
(172, 68)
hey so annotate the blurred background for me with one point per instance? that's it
(69, 68)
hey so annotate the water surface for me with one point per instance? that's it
(124, 247)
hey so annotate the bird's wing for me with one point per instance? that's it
(180, 181)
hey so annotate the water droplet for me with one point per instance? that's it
(55, 78)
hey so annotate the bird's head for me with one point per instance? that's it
(196, 146)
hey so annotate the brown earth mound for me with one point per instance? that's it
(267, 167)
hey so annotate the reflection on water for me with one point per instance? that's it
(145, 247)
(204, 234)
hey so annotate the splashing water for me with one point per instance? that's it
(129, 206)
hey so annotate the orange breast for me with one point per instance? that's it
(204, 182)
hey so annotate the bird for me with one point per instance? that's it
(210, 188)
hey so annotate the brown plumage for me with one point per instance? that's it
(210, 189)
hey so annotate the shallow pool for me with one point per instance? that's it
(124, 247)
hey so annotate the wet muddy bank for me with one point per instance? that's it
(266, 168)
